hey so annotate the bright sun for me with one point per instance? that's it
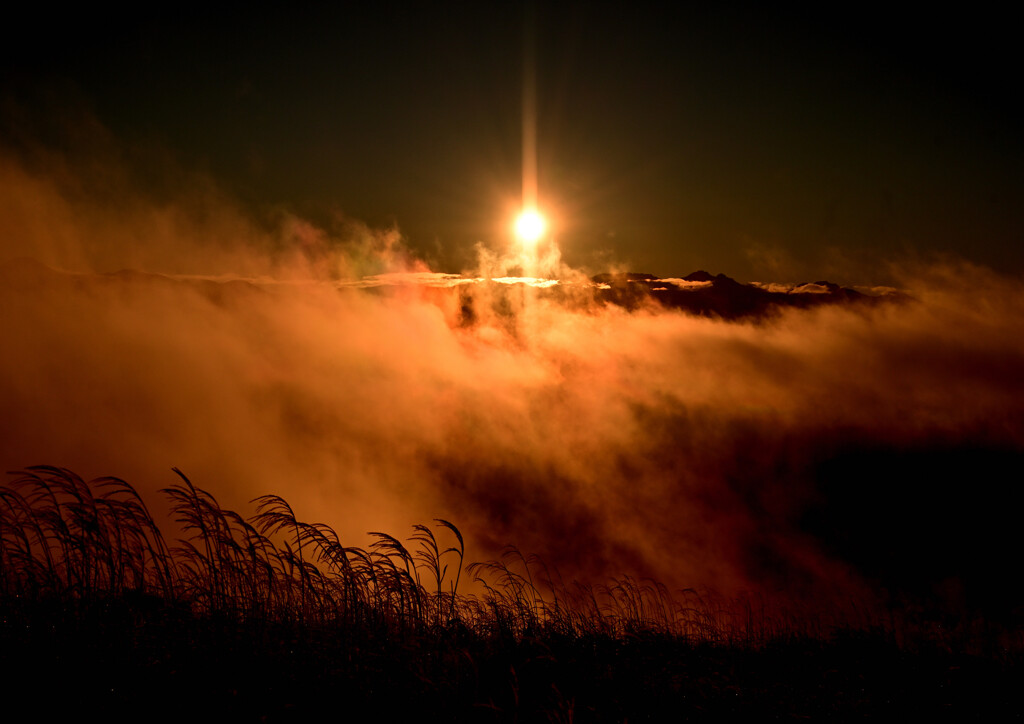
(530, 226)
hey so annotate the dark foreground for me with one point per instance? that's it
(273, 619)
(123, 660)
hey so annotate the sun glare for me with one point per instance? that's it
(530, 226)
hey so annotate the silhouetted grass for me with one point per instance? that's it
(273, 618)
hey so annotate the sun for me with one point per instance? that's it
(530, 227)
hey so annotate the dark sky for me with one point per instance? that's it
(764, 144)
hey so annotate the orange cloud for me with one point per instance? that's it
(700, 452)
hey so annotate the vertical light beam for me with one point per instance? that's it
(529, 109)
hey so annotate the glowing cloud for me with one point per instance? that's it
(696, 451)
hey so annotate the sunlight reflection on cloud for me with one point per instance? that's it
(608, 441)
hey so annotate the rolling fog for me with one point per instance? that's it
(827, 455)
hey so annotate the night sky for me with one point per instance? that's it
(778, 145)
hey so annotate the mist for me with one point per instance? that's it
(833, 454)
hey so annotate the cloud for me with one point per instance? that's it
(696, 451)
(686, 284)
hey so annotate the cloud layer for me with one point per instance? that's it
(782, 458)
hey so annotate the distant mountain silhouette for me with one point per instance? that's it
(699, 293)
(720, 296)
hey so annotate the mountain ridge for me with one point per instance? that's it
(700, 292)
(718, 295)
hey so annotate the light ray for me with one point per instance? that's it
(529, 110)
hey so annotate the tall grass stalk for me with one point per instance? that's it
(63, 537)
